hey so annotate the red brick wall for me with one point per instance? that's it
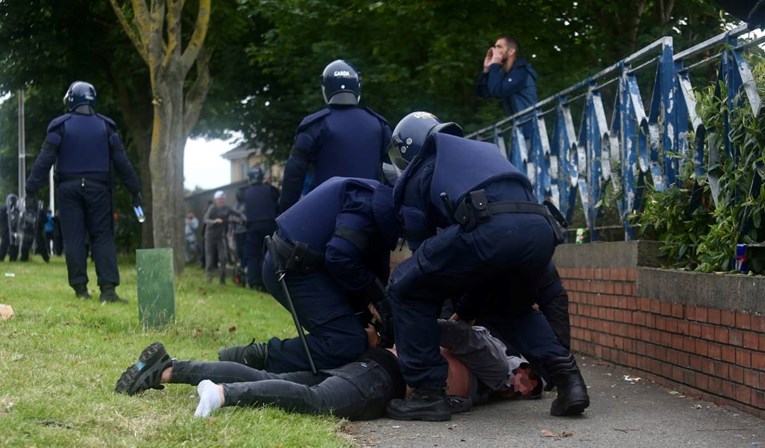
(711, 353)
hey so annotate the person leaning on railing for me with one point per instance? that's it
(508, 77)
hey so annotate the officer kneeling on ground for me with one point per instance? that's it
(477, 233)
(335, 244)
(84, 145)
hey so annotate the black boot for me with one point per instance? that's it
(572, 392)
(428, 404)
(254, 354)
(81, 291)
(109, 295)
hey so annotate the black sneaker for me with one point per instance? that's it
(146, 372)
(428, 404)
(81, 292)
(252, 355)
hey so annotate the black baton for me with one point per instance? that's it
(280, 272)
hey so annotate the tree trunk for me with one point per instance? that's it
(138, 118)
(166, 162)
(156, 34)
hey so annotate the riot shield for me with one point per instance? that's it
(28, 227)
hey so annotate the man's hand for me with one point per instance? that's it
(496, 57)
(384, 315)
(456, 317)
(218, 221)
(487, 59)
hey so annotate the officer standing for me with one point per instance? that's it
(84, 145)
(494, 244)
(335, 244)
(342, 139)
(261, 205)
(10, 240)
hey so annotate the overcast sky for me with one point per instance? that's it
(203, 166)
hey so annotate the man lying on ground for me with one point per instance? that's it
(359, 390)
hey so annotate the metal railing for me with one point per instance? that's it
(637, 145)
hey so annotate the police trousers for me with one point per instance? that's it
(336, 336)
(356, 391)
(487, 269)
(256, 232)
(86, 214)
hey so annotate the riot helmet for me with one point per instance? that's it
(341, 84)
(410, 134)
(80, 93)
(255, 175)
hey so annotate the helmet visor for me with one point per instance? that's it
(396, 151)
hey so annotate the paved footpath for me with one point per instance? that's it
(622, 414)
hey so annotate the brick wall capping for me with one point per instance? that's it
(611, 254)
(735, 292)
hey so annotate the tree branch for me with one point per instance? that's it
(156, 40)
(141, 16)
(134, 37)
(198, 38)
(173, 16)
(196, 95)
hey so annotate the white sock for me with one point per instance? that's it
(209, 399)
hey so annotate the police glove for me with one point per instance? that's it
(385, 324)
(137, 199)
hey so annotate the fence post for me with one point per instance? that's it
(156, 290)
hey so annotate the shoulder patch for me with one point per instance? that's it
(56, 122)
(379, 117)
(314, 117)
(107, 119)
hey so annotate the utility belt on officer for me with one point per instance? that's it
(475, 209)
(297, 257)
(83, 178)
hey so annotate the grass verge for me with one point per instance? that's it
(60, 358)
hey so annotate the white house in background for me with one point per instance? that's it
(244, 156)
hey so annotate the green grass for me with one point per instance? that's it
(60, 358)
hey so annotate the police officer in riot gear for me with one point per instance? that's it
(335, 245)
(261, 205)
(343, 139)
(10, 238)
(85, 145)
(478, 234)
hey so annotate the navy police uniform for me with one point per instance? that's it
(9, 224)
(261, 204)
(477, 234)
(84, 146)
(335, 244)
(339, 140)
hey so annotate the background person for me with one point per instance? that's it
(261, 206)
(510, 78)
(216, 225)
(191, 224)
